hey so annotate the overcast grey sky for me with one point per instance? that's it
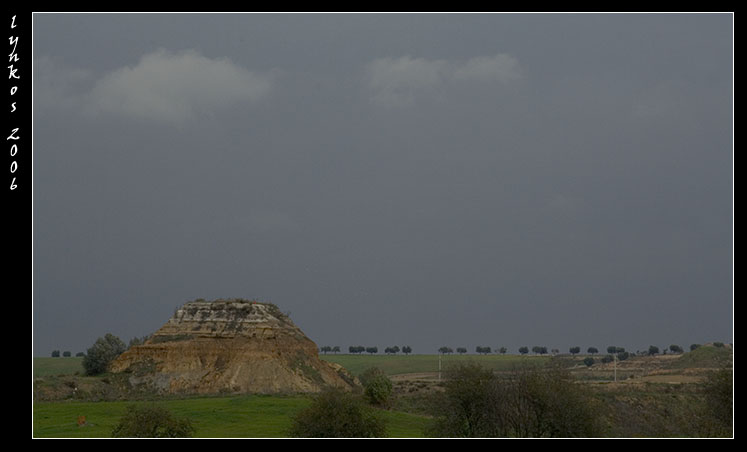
(423, 180)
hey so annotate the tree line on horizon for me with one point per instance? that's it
(612, 350)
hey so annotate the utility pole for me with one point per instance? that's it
(614, 356)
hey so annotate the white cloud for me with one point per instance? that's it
(501, 68)
(398, 81)
(395, 82)
(174, 88)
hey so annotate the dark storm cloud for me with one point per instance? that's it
(432, 180)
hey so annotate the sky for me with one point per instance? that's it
(427, 180)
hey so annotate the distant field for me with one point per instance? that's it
(213, 417)
(356, 364)
(407, 364)
(57, 366)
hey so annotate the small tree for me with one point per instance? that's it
(102, 353)
(372, 350)
(528, 402)
(589, 361)
(377, 387)
(524, 350)
(675, 348)
(151, 421)
(67, 354)
(326, 349)
(338, 414)
(406, 349)
(612, 349)
(336, 349)
(462, 350)
(575, 350)
(653, 350)
(592, 350)
(503, 350)
(694, 346)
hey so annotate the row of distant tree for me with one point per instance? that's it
(537, 350)
(406, 349)
(357, 349)
(66, 354)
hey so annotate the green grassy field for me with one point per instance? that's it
(253, 416)
(406, 364)
(57, 366)
(356, 364)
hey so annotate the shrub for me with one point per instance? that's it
(377, 387)
(718, 391)
(102, 353)
(528, 402)
(589, 361)
(151, 421)
(338, 414)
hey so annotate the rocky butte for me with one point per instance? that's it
(230, 346)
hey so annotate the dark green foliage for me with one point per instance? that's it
(528, 402)
(469, 407)
(675, 348)
(653, 350)
(338, 414)
(102, 353)
(589, 361)
(377, 387)
(151, 421)
(718, 391)
(575, 350)
(592, 350)
(67, 354)
(55, 354)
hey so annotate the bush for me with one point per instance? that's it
(338, 414)
(718, 391)
(151, 421)
(529, 402)
(589, 361)
(102, 353)
(377, 387)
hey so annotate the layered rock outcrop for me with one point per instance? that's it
(230, 346)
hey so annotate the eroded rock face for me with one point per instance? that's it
(233, 346)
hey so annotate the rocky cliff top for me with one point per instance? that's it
(226, 318)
